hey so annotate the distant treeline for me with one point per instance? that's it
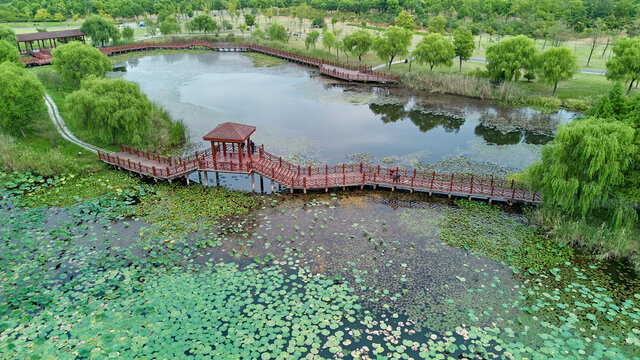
(500, 16)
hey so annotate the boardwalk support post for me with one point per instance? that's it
(304, 184)
(206, 178)
(253, 182)
(261, 184)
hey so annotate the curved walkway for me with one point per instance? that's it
(57, 120)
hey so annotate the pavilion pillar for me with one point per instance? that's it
(214, 156)
(224, 149)
(249, 147)
(239, 153)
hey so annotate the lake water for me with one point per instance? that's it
(313, 119)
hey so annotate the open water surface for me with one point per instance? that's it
(313, 119)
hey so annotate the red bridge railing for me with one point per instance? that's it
(318, 177)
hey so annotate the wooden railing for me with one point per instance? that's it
(319, 177)
(342, 71)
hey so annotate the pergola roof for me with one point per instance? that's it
(49, 35)
(230, 132)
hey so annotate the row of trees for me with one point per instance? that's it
(502, 12)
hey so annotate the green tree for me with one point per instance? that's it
(394, 42)
(583, 167)
(242, 27)
(204, 23)
(99, 29)
(437, 24)
(21, 96)
(7, 34)
(42, 15)
(405, 20)
(329, 40)
(359, 42)
(312, 38)
(434, 49)
(277, 32)
(508, 58)
(464, 44)
(613, 105)
(556, 64)
(625, 64)
(127, 33)
(249, 19)
(75, 61)
(170, 26)
(114, 109)
(8, 52)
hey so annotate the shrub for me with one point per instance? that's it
(577, 104)
(545, 104)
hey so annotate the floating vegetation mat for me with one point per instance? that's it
(156, 274)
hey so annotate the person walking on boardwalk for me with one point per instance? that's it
(253, 147)
(391, 172)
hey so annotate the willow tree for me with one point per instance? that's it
(8, 52)
(114, 109)
(507, 59)
(434, 49)
(75, 61)
(557, 64)
(394, 42)
(625, 64)
(21, 96)
(583, 167)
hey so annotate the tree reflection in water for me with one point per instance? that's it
(391, 113)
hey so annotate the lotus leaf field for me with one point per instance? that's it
(106, 265)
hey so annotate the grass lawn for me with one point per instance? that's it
(32, 27)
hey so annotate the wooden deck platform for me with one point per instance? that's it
(326, 67)
(325, 177)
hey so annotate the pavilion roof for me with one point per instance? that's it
(230, 132)
(49, 35)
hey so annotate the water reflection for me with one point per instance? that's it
(391, 113)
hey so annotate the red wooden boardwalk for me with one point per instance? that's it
(316, 177)
(329, 68)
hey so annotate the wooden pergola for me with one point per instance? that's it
(52, 37)
(230, 133)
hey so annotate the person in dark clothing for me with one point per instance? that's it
(253, 147)
(397, 177)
